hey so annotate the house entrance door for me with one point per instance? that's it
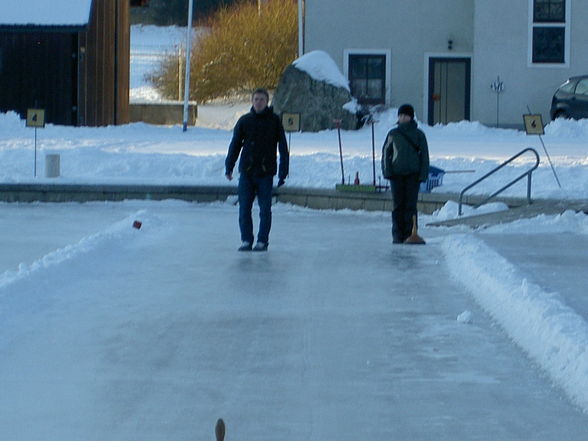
(449, 90)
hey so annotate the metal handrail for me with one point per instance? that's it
(528, 173)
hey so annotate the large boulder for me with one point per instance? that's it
(314, 87)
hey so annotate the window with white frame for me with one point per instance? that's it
(549, 29)
(367, 78)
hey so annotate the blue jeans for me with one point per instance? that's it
(249, 187)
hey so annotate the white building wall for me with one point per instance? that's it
(404, 29)
(502, 47)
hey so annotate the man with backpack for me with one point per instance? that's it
(405, 162)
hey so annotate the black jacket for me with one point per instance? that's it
(257, 135)
(405, 152)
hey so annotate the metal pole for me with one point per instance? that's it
(497, 108)
(549, 159)
(547, 154)
(180, 69)
(373, 153)
(188, 54)
(35, 165)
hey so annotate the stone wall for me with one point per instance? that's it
(165, 113)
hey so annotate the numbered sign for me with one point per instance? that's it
(291, 122)
(533, 124)
(35, 117)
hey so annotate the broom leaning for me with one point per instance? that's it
(414, 238)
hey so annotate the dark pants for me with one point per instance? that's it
(249, 188)
(405, 192)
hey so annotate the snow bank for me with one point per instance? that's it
(469, 128)
(114, 232)
(568, 128)
(10, 122)
(551, 333)
(142, 153)
(451, 210)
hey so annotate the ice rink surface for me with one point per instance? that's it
(113, 333)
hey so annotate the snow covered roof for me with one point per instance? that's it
(45, 13)
(321, 67)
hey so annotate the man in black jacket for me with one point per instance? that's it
(405, 161)
(255, 137)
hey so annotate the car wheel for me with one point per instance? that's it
(561, 114)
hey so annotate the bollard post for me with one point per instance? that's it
(52, 165)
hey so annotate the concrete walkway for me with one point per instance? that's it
(512, 214)
(305, 197)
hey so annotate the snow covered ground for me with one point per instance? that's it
(142, 153)
(109, 332)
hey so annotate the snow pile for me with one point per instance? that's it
(9, 122)
(539, 322)
(321, 67)
(471, 128)
(568, 128)
(70, 252)
(465, 317)
(352, 106)
(451, 210)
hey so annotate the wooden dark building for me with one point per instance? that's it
(74, 63)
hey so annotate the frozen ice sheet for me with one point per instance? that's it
(332, 334)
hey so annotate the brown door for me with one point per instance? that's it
(449, 90)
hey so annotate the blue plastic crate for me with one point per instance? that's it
(435, 179)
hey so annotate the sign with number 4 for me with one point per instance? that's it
(35, 117)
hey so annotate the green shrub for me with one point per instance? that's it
(246, 48)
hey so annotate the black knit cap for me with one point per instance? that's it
(406, 109)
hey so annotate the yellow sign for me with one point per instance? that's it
(291, 122)
(533, 124)
(35, 117)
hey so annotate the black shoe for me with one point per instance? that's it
(245, 246)
(260, 246)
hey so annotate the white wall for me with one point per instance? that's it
(404, 29)
(496, 32)
(502, 46)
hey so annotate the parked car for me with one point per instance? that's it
(571, 99)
